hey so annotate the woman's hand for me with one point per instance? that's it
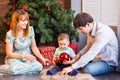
(67, 70)
(28, 57)
(46, 62)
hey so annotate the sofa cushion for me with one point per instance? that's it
(118, 68)
(118, 36)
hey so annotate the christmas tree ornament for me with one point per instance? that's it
(30, 17)
(4, 41)
(64, 57)
(25, 8)
(61, 8)
(49, 9)
(12, 9)
(8, 23)
(0, 25)
(56, 61)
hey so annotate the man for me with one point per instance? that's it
(101, 43)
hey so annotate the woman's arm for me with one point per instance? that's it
(9, 51)
(11, 54)
(36, 51)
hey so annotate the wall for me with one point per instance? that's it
(3, 7)
(76, 5)
(105, 11)
(66, 3)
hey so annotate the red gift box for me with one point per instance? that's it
(74, 46)
(47, 52)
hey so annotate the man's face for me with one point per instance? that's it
(84, 29)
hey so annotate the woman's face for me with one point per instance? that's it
(22, 23)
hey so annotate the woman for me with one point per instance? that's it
(21, 47)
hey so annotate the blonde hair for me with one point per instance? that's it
(63, 36)
(18, 15)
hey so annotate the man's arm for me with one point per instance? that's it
(75, 58)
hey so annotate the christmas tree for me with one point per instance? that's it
(48, 18)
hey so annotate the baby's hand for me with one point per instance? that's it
(56, 61)
(67, 62)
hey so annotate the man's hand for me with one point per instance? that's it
(67, 70)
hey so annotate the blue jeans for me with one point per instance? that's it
(97, 68)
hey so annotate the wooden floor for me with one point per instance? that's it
(109, 76)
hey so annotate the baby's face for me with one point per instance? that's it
(63, 44)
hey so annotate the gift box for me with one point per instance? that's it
(74, 46)
(47, 52)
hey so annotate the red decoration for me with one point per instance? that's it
(0, 25)
(12, 9)
(8, 23)
(61, 8)
(4, 41)
(64, 57)
(56, 61)
(74, 46)
(25, 8)
(47, 52)
(30, 17)
(14, 3)
(49, 9)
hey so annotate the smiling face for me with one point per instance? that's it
(22, 23)
(85, 29)
(19, 22)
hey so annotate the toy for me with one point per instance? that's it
(64, 57)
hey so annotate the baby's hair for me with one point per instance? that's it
(63, 36)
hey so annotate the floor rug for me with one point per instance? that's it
(58, 76)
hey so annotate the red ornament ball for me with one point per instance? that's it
(56, 61)
(64, 57)
(61, 8)
(25, 8)
(8, 23)
(48, 9)
(0, 24)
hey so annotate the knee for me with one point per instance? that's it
(89, 70)
(38, 66)
(12, 72)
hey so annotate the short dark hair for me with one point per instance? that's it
(82, 19)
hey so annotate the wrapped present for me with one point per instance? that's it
(74, 46)
(47, 52)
